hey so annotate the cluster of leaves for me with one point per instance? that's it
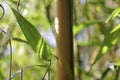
(35, 40)
(108, 28)
(112, 38)
(42, 49)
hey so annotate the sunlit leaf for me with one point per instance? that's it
(110, 40)
(94, 41)
(117, 63)
(33, 37)
(84, 43)
(113, 15)
(80, 27)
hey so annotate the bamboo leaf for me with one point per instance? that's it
(20, 40)
(113, 15)
(81, 26)
(32, 35)
(109, 41)
(117, 63)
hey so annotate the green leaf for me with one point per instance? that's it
(113, 15)
(33, 37)
(117, 63)
(110, 40)
(81, 26)
(20, 40)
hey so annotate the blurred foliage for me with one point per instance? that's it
(96, 37)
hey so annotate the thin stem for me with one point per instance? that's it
(10, 55)
(47, 70)
(117, 74)
(104, 74)
(18, 3)
(3, 12)
(10, 59)
(21, 74)
(48, 74)
(79, 62)
(21, 71)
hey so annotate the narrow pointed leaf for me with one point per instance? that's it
(20, 40)
(113, 15)
(81, 26)
(33, 36)
(110, 40)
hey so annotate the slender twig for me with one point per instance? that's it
(21, 71)
(46, 70)
(3, 31)
(18, 3)
(21, 74)
(117, 73)
(14, 74)
(10, 58)
(3, 11)
(10, 54)
(79, 62)
(104, 74)
(33, 66)
(49, 75)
